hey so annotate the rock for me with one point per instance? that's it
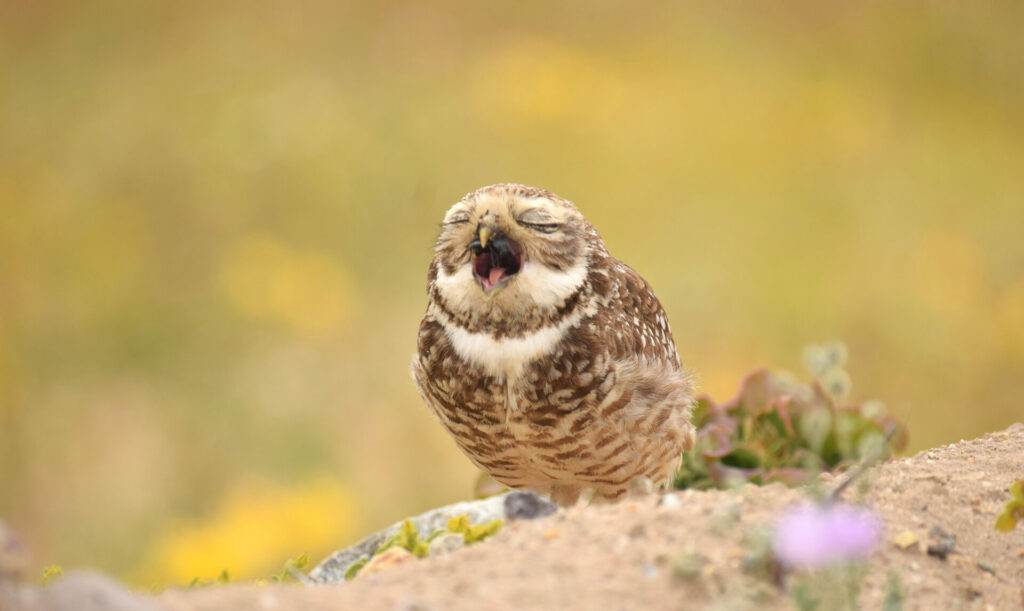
(333, 569)
(905, 539)
(670, 501)
(527, 506)
(944, 544)
(446, 543)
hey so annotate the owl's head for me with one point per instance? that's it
(511, 247)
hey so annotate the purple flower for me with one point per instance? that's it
(815, 536)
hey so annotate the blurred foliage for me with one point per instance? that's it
(218, 218)
(776, 430)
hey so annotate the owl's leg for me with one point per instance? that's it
(641, 485)
(638, 486)
(565, 494)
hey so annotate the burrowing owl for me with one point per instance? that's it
(549, 361)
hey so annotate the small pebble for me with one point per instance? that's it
(944, 545)
(905, 539)
(671, 502)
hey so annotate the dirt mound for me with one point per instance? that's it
(690, 550)
(683, 549)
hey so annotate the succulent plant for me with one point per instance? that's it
(777, 430)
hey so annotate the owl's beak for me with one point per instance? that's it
(484, 233)
(495, 259)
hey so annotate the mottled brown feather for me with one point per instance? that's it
(605, 401)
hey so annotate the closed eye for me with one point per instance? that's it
(541, 227)
(456, 220)
(537, 220)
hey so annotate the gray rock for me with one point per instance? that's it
(527, 506)
(332, 570)
(448, 542)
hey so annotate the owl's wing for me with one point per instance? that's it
(636, 321)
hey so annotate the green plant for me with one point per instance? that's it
(1014, 509)
(777, 430)
(291, 568)
(51, 573)
(222, 578)
(408, 538)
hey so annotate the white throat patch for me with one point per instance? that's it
(506, 357)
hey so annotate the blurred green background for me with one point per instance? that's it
(217, 219)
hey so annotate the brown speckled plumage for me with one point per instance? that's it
(565, 377)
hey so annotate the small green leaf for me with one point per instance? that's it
(1014, 509)
(52, 572)
(292, 564)
(459, 524)
(421, 549)
(471, 533)
(743, 458)
(479, 532)
(815, 426)
(354, 568)
(407, 537)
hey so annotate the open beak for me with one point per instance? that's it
(495, 259)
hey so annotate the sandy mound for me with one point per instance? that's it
(691, 550)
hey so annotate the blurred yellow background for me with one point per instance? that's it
(217, 220)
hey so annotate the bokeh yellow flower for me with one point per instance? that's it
(256, 527)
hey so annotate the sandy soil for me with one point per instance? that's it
(646, 553)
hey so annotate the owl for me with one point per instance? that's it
(549, 361)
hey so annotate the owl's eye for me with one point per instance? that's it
(541, 227)
(538, 221)
(456, 219)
